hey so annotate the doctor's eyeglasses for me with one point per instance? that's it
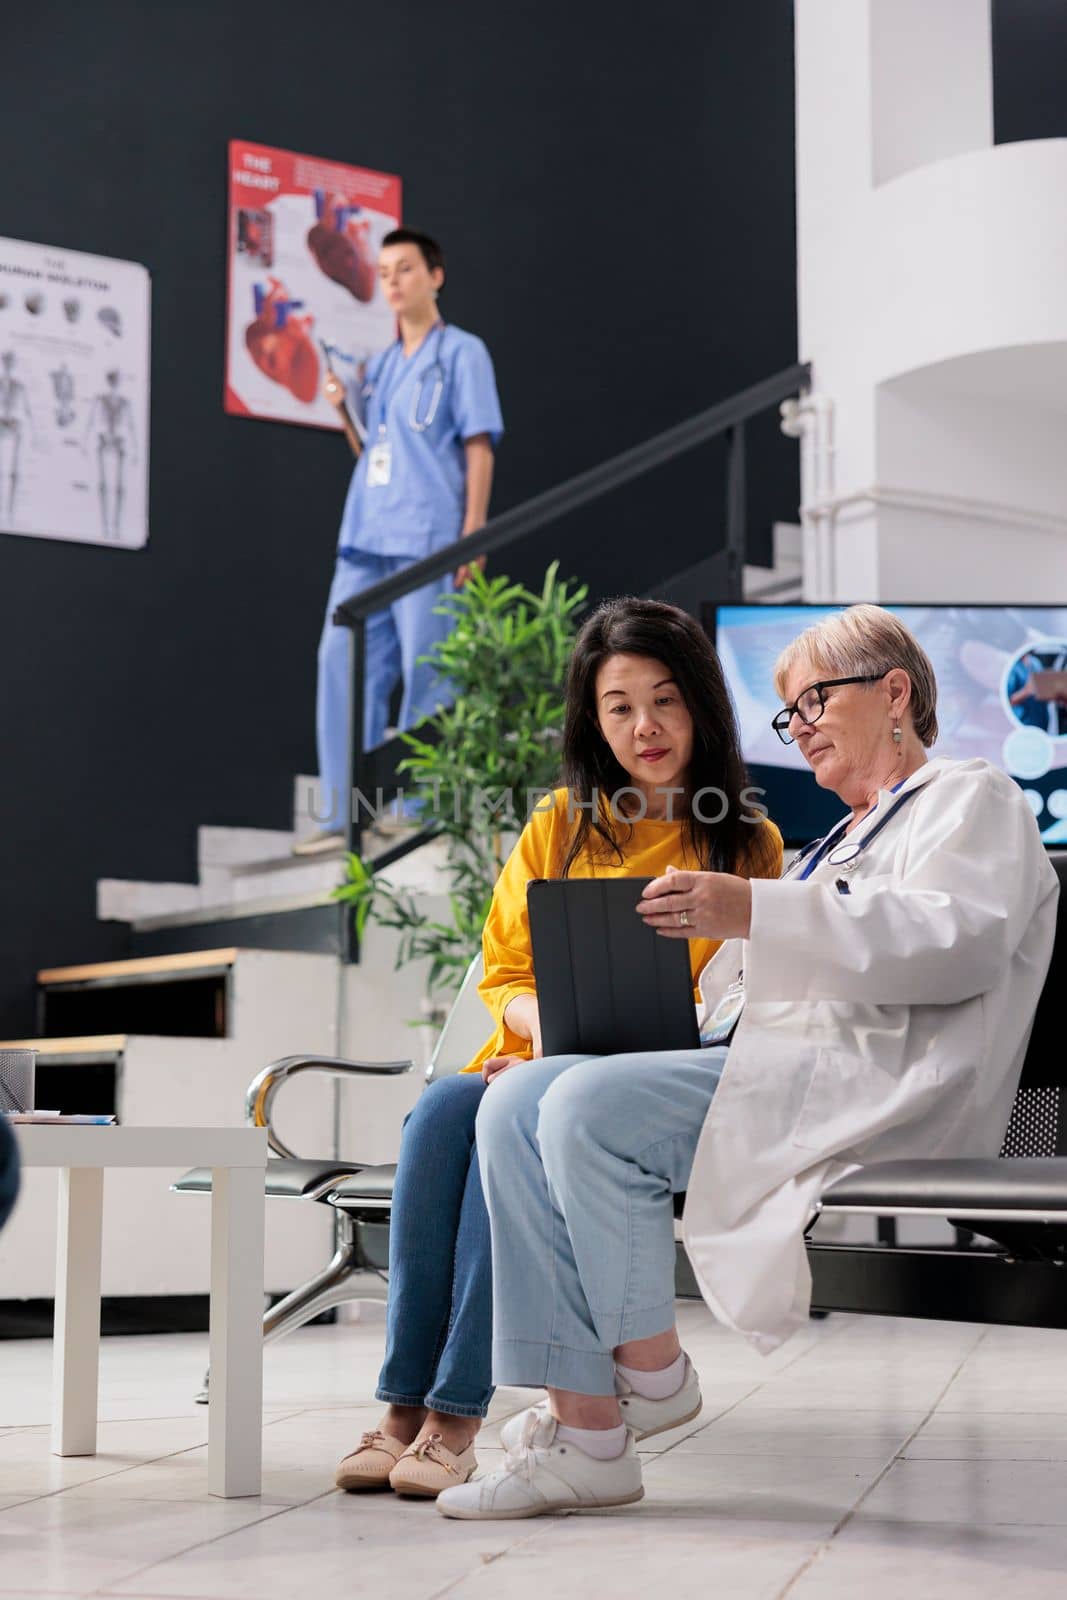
(812, 703)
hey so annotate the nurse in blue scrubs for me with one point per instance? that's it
(429, 410)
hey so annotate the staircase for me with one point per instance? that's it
(252, 891)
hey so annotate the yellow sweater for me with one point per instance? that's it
(651, 847)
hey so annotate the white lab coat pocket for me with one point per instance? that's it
(850, 1099)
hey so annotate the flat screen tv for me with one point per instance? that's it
(982, 656)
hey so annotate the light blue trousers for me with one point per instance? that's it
(396, 638)
(580, 1160)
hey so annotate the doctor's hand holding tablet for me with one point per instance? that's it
(698, 905)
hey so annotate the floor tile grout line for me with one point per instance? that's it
(133, 1466)
(549, 1523)
(898, 1455)
(762, 1383)
(225, 1533)
(17, 1505)
(169, 1416)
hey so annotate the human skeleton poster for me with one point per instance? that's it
(304, 236)
(74, 378)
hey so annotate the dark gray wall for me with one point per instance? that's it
(614, 186)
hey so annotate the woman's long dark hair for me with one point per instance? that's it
(649, 628)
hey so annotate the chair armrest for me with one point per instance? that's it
(259, 1101)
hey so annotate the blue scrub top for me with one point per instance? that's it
(421, 508)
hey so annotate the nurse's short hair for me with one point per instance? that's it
(428, 248)
(860, 641)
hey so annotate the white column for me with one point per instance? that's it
(919, 247)
(235, 1407)
(76, 1355)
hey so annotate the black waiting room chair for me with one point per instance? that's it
(1009, 1260)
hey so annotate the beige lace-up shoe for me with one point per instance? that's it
(370, 1463)
(429, 1466)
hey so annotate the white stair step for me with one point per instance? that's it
(279, 885)
(421, 872)
(305, 801)
(230, 847)
(241, 867)
(126, 900)
(294, 875)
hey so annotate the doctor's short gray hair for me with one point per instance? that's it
(863, 640)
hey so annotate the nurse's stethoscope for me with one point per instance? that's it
(434, 373)
(845, 854)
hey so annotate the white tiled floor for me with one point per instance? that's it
(869, 1458)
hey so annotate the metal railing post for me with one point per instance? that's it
(353, 813)
(736, 512)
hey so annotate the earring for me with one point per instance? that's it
(897, 735)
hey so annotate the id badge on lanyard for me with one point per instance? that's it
(720, 1026)
(380, 462)
(380, 454)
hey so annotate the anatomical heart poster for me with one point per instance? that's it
(74, 367)
(304, 236)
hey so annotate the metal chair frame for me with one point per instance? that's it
(355, 1271)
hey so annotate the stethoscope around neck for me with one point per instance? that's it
(846, 854)
(435, 371)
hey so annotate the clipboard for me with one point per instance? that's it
(607, 984)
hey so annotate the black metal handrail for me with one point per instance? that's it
(499, 533)
(510, 526)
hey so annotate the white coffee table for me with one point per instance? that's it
(237, 1157)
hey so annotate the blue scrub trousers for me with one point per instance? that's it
(396, 638)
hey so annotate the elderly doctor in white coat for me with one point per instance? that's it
(876, 1003)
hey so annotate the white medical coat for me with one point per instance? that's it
(886, 1023)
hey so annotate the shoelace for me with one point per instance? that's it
(429, 1450)
(370, 1441)
(522, 1458)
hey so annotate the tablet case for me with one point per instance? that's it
(607, 984)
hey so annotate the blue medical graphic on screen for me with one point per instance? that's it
(1002, 694)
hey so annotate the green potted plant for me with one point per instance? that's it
(493, 748)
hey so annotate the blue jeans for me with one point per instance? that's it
(581, 1158)
(439, 1325)
(9, 1170)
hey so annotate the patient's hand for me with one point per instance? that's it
(522, 1016)
(492, 1068)
(716, 905)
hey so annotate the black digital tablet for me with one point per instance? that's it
(606, 982)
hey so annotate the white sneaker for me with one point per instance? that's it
(542, 1475)
(643, 1417)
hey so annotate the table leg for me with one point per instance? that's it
(235, 1406)
(76, 1353)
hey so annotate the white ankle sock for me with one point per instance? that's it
(656, 1385)
(603, 1444)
